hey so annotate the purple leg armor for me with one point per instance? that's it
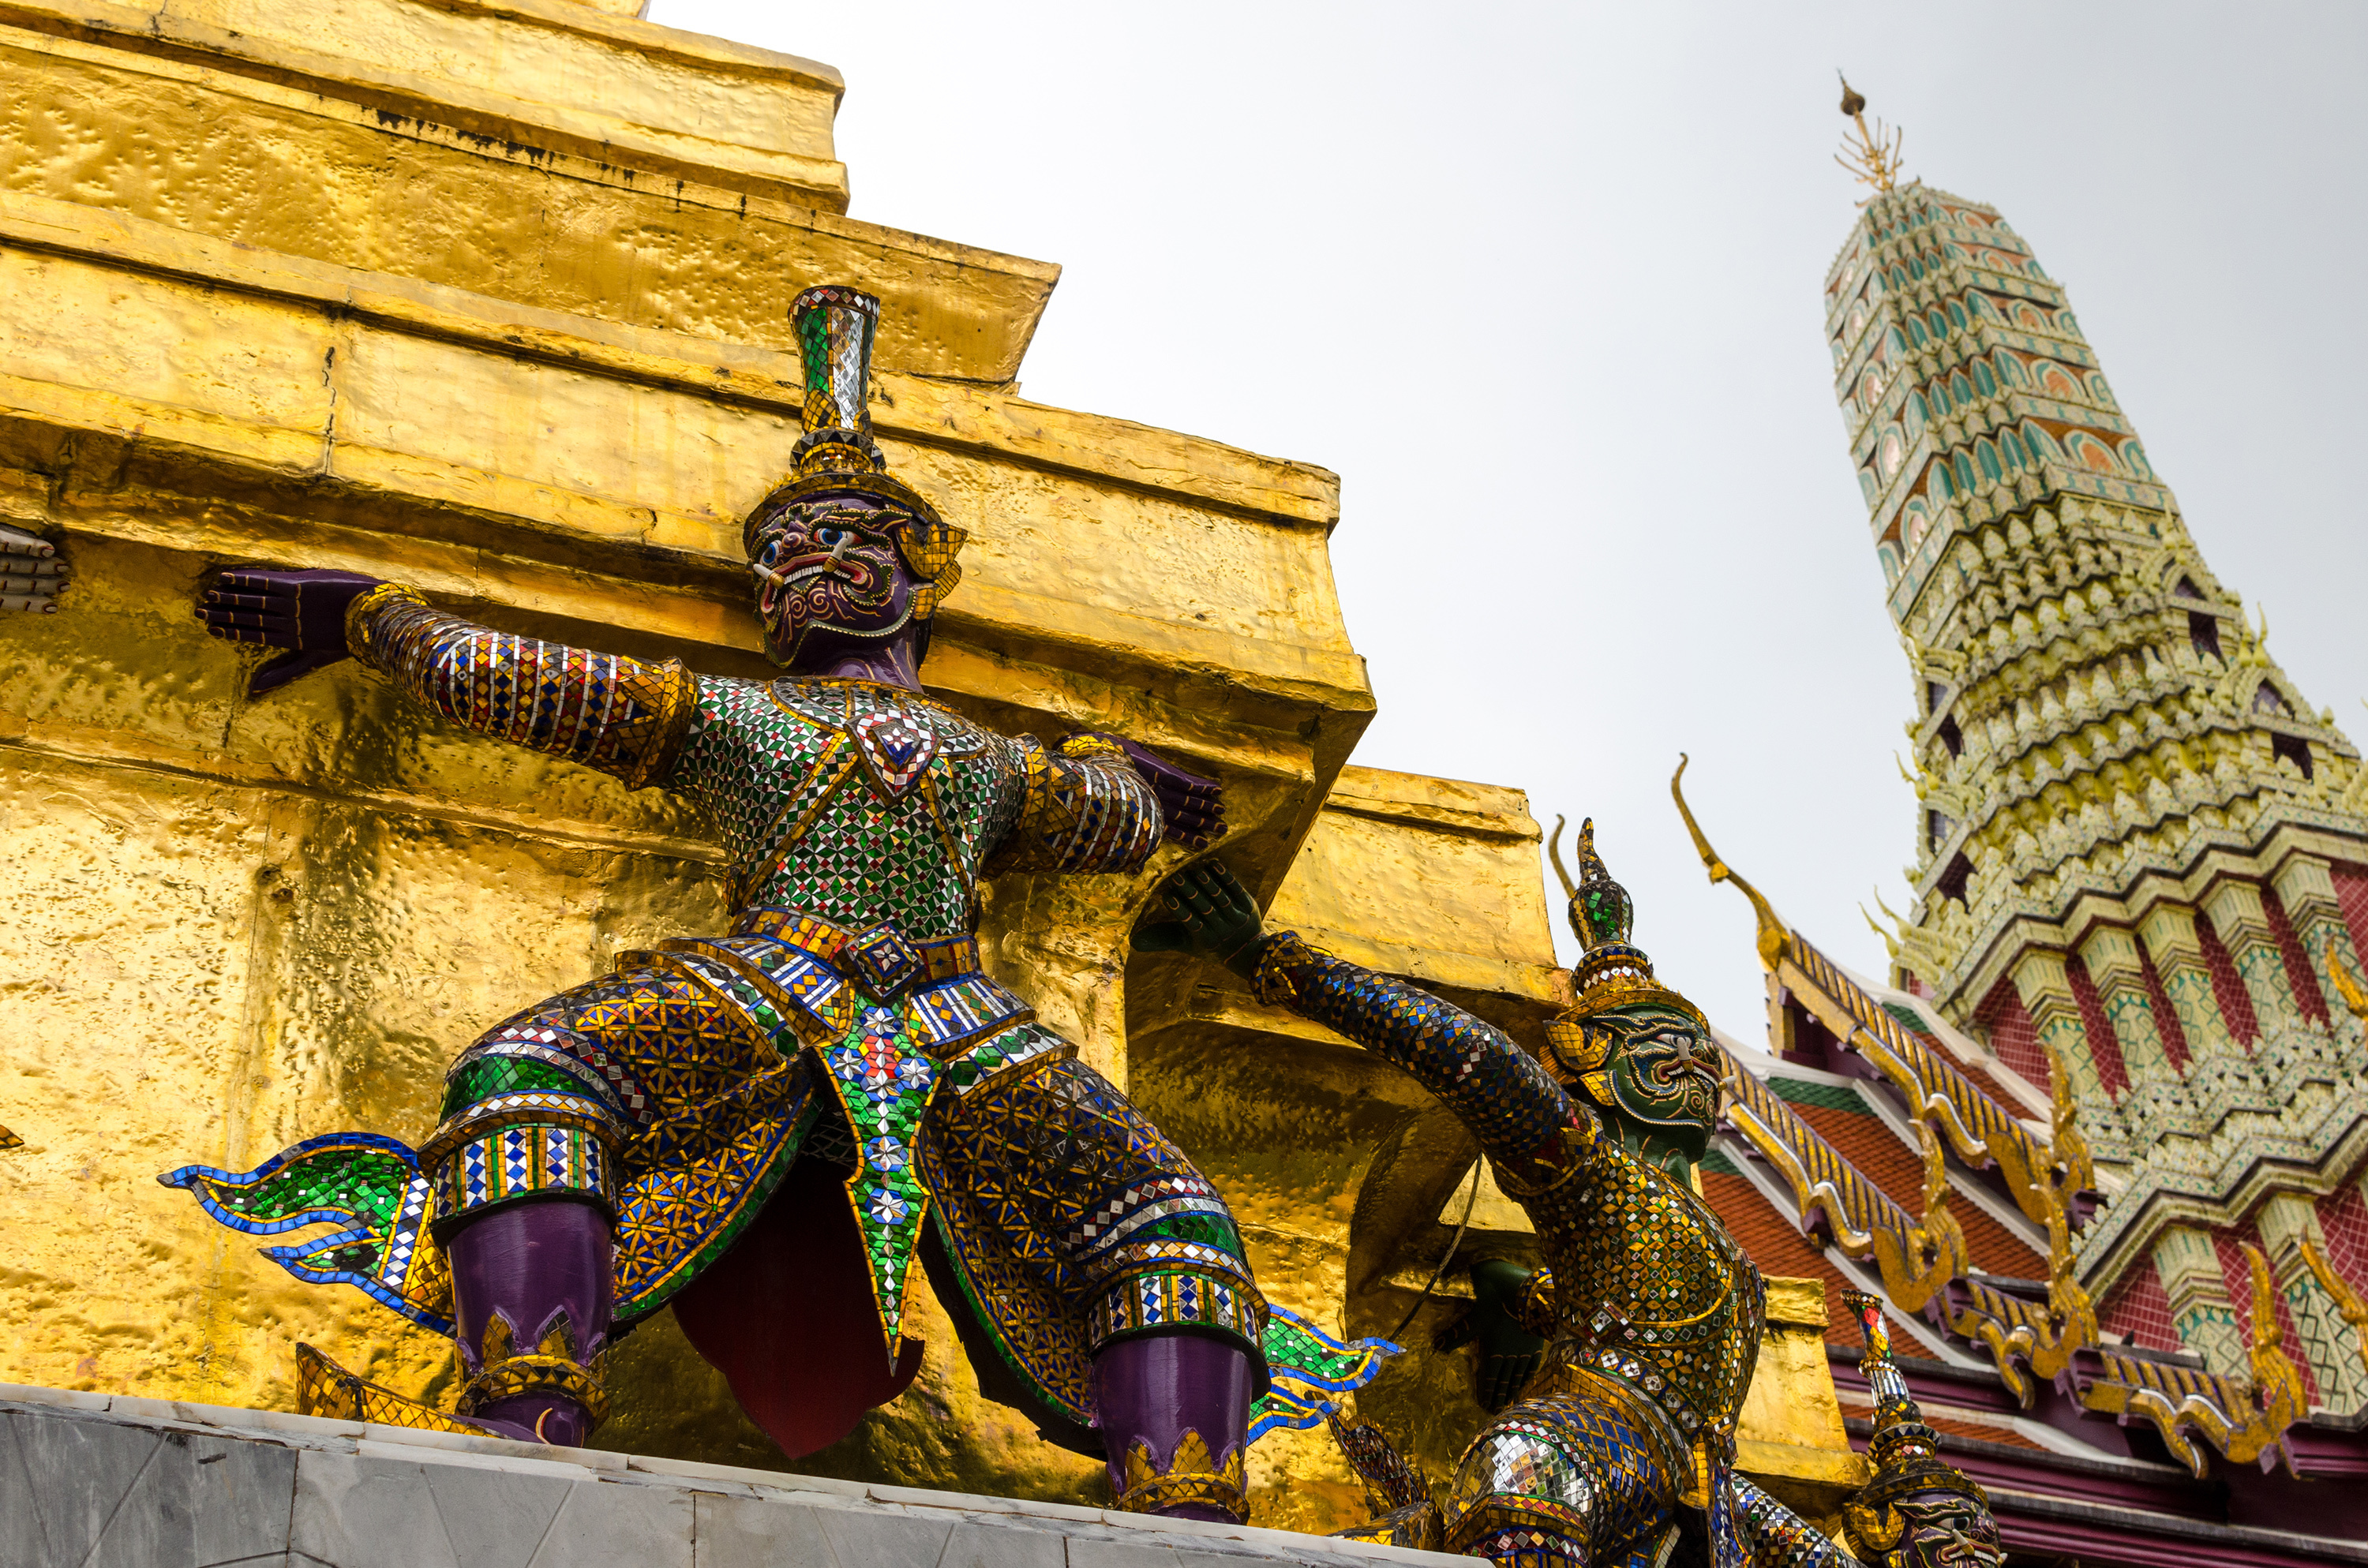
(532, 1288)
(1174, 1410)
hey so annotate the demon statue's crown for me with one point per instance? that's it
(836, 457)
(1611, 971)
(1904, 1450)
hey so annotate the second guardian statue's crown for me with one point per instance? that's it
(1611, 971)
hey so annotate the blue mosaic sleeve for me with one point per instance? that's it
(1778, 1537)
(625, 717)
(1084, 808)
(1511, 1103)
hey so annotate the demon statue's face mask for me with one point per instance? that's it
(1941, 1529)
(1659, 1069)
(829, 567)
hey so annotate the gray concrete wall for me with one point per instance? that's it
(90, 1480)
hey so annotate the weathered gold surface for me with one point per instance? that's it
(241, 924)
(191, 147)
(1790, 1437)
(543, 73)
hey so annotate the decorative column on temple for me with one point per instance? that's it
(2044, 982)
(2201, 1310)
(2242, 924)
(2155, 1106)
(2132, 835)
(2307, 891)
(2286, 1220)
(2219, 1076)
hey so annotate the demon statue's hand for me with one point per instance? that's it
(1508, 1354)
(1204, 911)
(30, 572)
(1193, 808)
(303, 612)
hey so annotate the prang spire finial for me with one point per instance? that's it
(1872, 158)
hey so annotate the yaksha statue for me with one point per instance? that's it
(766, 1127)
(1626, 1361)
(1919, 1511)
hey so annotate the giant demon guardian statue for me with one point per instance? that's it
(1620, 1439)
(765, 1127)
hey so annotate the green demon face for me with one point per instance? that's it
(1661, 1075)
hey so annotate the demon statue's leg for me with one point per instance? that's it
(533, 1285)
(1174, 1408)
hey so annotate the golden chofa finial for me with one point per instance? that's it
(1874, 157)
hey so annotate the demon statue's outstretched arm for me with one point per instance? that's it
(1516, 1110)
(1085, 808)
(626, 717)
(1521, 1117)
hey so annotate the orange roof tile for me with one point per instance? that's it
(1776, 1245)
(1865, 1141)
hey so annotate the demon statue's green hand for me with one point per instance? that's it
(1508, 1353)
(1205, 911)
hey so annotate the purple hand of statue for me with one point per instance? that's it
(303, 612)
(1193, 808)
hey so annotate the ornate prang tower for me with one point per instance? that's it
(2137, 844)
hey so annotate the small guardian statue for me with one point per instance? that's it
(1617, 1374)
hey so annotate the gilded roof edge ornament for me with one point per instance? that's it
(1775, 938)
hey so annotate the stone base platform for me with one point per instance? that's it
(90, 1480)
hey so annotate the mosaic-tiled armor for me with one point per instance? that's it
(1624, 1437)
(831, 1087)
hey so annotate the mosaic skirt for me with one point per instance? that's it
(679, 1091)
(1070, 1221)
(1579, 1476)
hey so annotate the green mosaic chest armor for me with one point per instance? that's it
(850, 802)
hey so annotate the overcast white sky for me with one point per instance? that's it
(1598, 234)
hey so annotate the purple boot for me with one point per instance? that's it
(1174, 1410)
(533, 1285)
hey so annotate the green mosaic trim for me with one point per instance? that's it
(489, 1076)
(1831, 1096)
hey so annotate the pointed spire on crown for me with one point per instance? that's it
(834, 325)
(1904, 1450)
(1611, 971)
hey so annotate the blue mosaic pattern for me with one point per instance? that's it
(370, 1187)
